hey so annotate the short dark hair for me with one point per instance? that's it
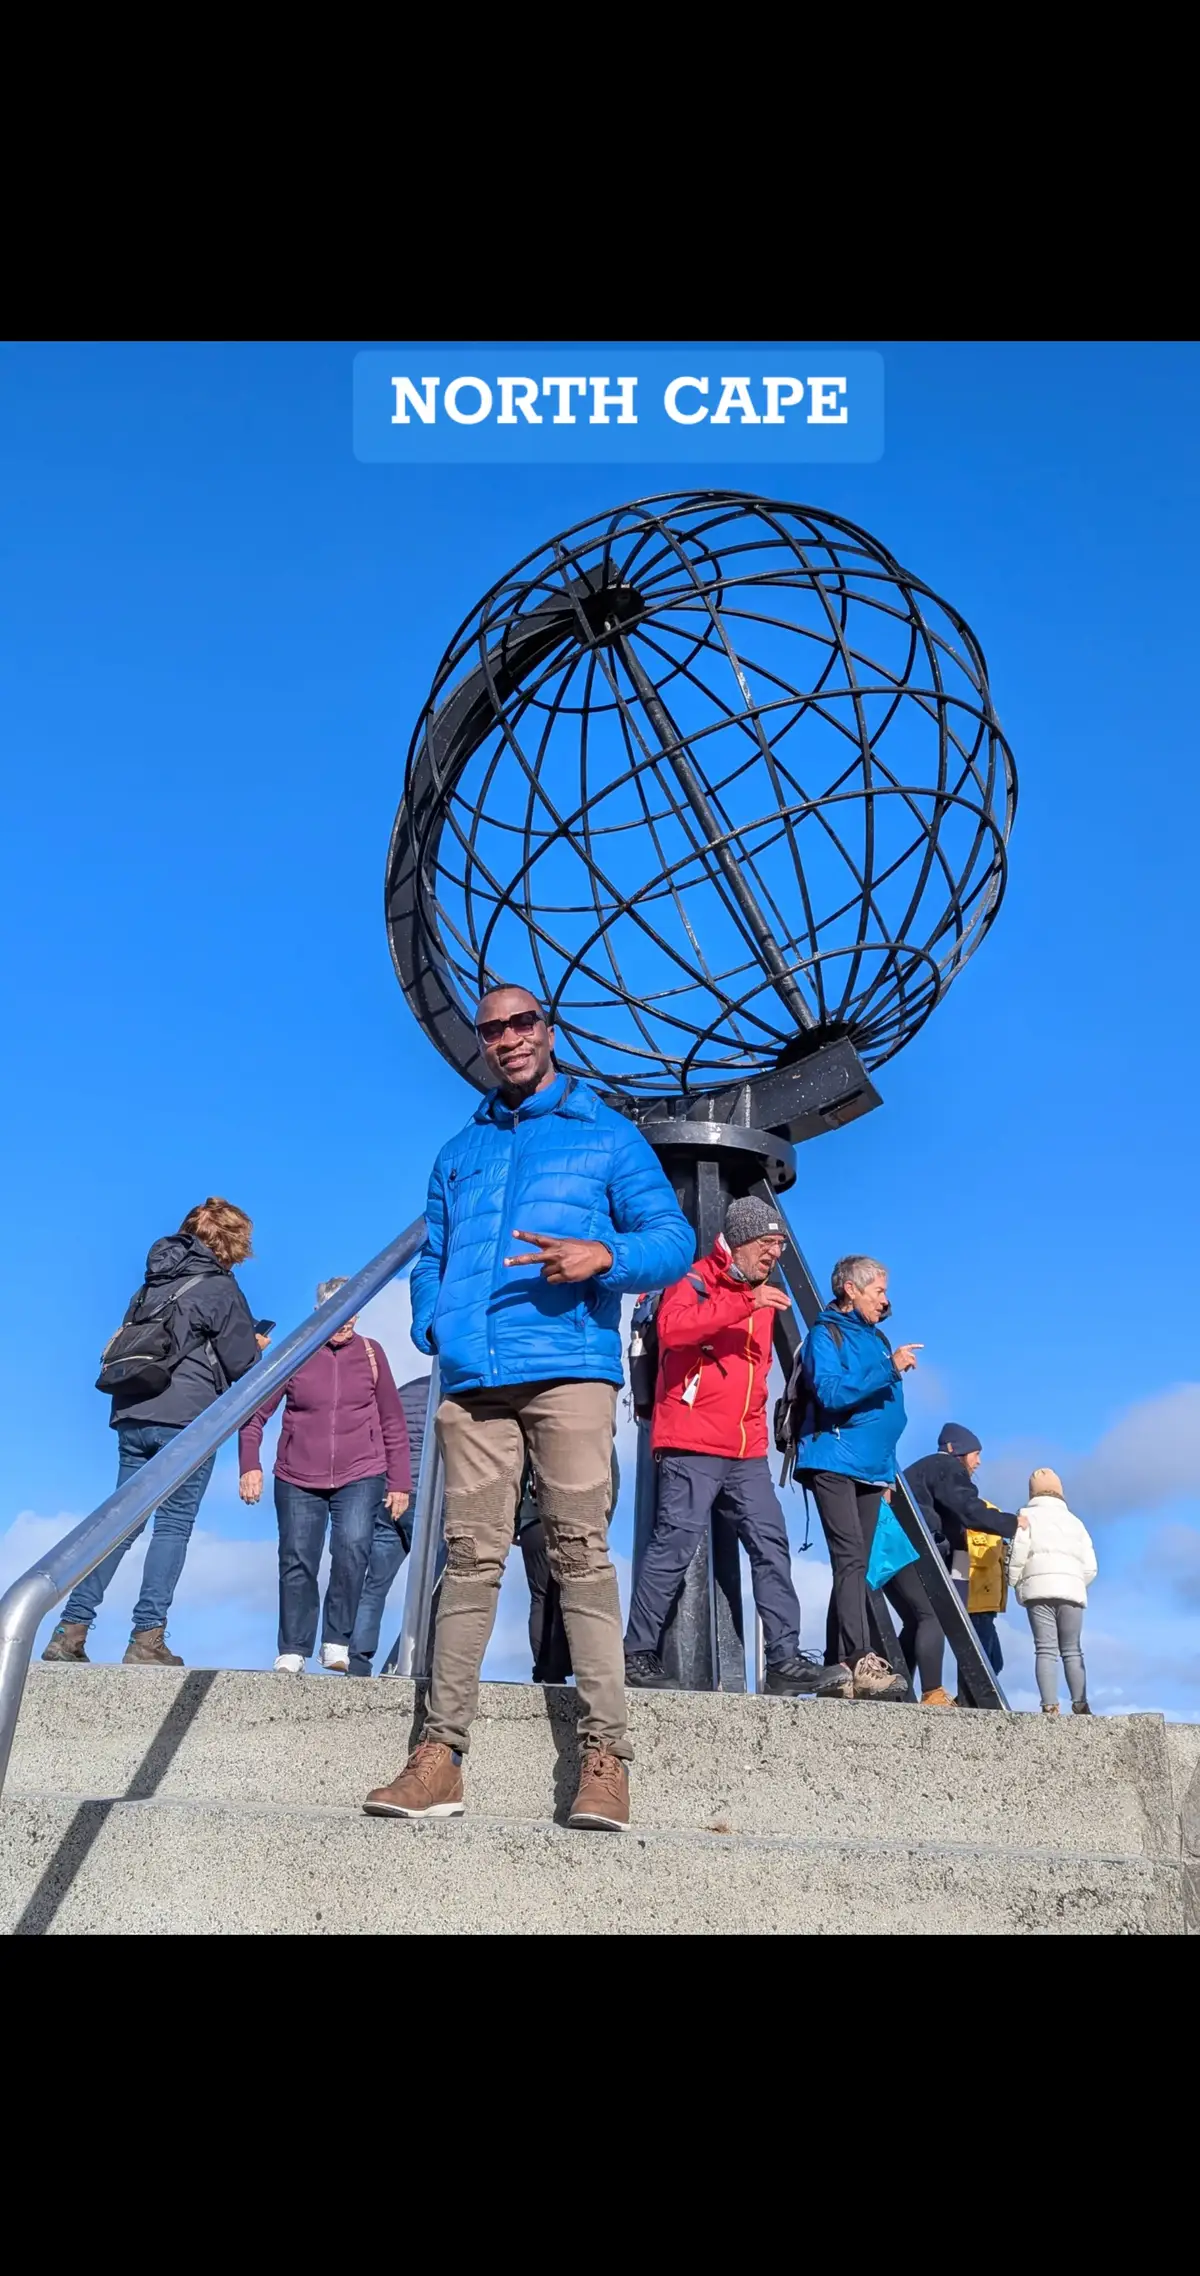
(511, 988)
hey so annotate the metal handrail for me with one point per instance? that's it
(25, 1605)
(412, 1655)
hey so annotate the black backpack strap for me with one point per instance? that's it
(160, 1310)
(202, 1342)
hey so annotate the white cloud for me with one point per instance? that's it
(1174, 1554)
(1148, 1457)
(27, 1539)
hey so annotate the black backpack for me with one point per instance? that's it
(142, 1356)
(790, 1420)
(643, 1348)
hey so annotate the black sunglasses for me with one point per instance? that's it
(522, 1023)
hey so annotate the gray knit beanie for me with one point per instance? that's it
(750, 1220)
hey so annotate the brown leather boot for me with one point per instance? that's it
(602, 1803)
(1052, 1710)
(938, 1698)
(147, 1647)
(68, 1641)
(429, 1786)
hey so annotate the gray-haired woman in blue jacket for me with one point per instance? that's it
(850, 1387)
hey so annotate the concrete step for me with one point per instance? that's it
(73, 1866)
(814, 1771)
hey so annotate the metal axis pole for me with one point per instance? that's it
(703, 1646)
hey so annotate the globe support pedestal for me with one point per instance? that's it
(709, 1165)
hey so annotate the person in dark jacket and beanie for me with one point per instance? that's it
(391, 1540)
(214, 1334)
(709, 1438)
(944, 1486)
(342, 1450)
(853, 1415)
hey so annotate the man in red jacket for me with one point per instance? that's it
(709, 1437)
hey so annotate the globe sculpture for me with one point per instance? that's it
(721, 781)
(723, 784)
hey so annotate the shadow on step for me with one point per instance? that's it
(561, 1702)
(90, 1818)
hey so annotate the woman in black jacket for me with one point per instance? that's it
(214, 1342)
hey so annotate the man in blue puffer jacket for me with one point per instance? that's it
(541, 1215)
(852, 1417)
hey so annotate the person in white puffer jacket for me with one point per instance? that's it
(1051, 1567)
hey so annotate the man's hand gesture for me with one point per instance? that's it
(562, 1259)
(766, 1294)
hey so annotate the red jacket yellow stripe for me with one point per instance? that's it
(720, 1344)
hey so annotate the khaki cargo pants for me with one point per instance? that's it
(483, 1435)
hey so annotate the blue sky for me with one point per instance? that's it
(219, 628)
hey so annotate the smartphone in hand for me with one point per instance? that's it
(264, 1327)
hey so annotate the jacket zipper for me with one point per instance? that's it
(333, 1418)
(749, 1381)
(504, 1227)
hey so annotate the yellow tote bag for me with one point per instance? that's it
(987, 1584)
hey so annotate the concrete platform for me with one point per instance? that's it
(155, 1801)
(77, 1867)
(819, 1770)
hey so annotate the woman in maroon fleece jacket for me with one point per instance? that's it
(342, 1459)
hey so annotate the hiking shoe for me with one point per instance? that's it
(602, 1802)
(874, 1679)
(802, 1677)
(147, 1647)
(336, 1657)
(429, 1786)
(288, 1663)
(1051, 1710)
(1080, 1707)
(938, 1698)
(644, 1671)
(68, 1641)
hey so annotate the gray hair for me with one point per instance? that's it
(856, 1272)
(328, 1288)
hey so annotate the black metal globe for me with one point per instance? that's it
(717, 778)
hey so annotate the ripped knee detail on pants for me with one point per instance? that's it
(478, 1528)
(576, 1525)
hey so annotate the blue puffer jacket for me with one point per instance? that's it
(854, 1413)
(564, 1163)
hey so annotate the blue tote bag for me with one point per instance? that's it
(891, 1550)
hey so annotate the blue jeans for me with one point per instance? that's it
(173, 1522)
(390, 1544)
(304, 1512)
(984, 1624)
